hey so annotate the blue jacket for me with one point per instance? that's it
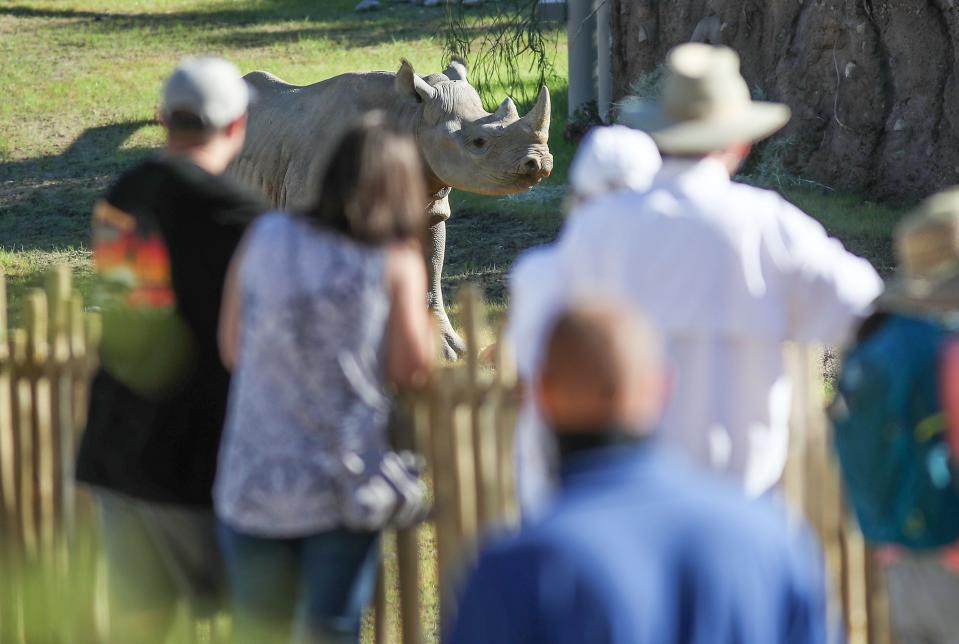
(641, 549)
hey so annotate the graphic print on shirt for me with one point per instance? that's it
(131, 260)
(146, 344)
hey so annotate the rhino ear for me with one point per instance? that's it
(457, 69)
(409, 84)
(506, 111)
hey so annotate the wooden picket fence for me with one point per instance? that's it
(45, 369)
(462, 422)
(813, 487)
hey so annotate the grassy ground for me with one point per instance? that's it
(81, 80)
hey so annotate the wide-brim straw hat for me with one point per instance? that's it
(706, 105)
(927, 250)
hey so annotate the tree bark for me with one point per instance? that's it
(872, 83)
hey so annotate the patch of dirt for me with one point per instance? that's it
(872, 83)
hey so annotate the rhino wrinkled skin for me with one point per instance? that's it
(292, 129)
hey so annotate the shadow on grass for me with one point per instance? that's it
(340, 24)
(46, 201)
(349, 36)
(237, 13)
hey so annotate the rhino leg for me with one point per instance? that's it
(451, 343)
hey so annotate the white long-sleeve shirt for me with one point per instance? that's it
(728, 273)
(537, 293)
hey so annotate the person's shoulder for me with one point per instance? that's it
(160, 175)
(237, 191)
(534, 548)
(596, 220)
(768, 204)
(402, 258)
(722, 519)
(615, 203)
(137, 182)
(199, 183)
(271, 223)
(534, 263)
(149, 166)
(704, 506)
(761, 204)
(781, 221)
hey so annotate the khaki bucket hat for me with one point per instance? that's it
(705, 106)
(927, 250)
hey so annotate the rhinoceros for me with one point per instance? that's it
(292, 129)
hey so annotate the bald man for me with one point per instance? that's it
(638, 548)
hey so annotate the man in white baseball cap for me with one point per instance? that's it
(613, 158)
(163, 237)
(206, 92)
(205, 102)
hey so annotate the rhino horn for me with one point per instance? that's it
(506, 111)
(457, 69)
(538, 117)
(409, 84)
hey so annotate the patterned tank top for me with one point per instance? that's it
(307, 390)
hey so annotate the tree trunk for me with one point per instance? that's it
(872, 83)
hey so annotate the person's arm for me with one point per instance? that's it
(231, 310)
(410, 343)
(829, 289)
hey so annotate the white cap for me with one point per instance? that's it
(614, 158)
(210, 89)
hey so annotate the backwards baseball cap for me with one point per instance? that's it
(611, 158)
(204, 94)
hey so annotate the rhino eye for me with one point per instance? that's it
(479, 143)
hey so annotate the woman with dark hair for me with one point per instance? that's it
(321, 311)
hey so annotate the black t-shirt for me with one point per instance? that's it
(165, 233)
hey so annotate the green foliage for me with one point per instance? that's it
(506, 47)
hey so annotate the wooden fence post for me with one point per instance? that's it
(9, 486)
(506, 404)
(44, 377)
(444, 486)
(813, 485)
(381, 622)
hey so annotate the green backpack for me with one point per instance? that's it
(890, 435)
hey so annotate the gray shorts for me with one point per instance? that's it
(923, 596)
(158, 553)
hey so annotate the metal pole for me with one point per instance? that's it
(581, 34)
(604, 70)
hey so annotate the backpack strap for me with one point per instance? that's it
(949, 391)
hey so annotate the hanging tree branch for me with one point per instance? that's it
(505, 46)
